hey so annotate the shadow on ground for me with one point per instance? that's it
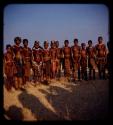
(84, 101)
(81, 102)
(13, 113)
(32, 103)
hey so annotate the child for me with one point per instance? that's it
(9, 67)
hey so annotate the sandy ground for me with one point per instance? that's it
(61, 100)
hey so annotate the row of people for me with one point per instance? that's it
(47, 63)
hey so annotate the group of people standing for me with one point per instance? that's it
(48, 62)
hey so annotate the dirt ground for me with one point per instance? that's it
(61, 100)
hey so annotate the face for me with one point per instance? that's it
(25, 43)
(36, 45)
(46, 45)
(89, 43)
(66, 44)
(52, 45)
(75, 43)
(100, 40)
(9, 49)
(84, 46)
(57, 44)
(18, 42)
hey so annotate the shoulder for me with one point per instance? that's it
(33, 50)
(41, 47)
(41, 50)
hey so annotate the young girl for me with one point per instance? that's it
(9, 67)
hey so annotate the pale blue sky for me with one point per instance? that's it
(55, 22)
